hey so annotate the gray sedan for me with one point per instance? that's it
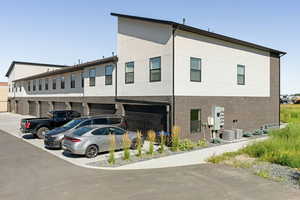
(90, 140)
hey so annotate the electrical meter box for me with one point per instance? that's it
(218, 116)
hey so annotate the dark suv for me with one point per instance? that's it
(53, 138)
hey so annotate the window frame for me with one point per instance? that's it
(82, 79)
(40, 85)
(126, 73)
(33, 85)
(72, 81)
(46, 83)
(54, 82)
(28, 86)
(110, 75)
(199, 119)
(62, 82)
(243, 75)
(195, 70)
(150, 70)
(92, 77)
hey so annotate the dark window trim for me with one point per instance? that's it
(92, 85)
(33, 85)
(46, 83)
(154, 69)
(106, 76)
(197, 70)
(28, 86)
(54, 84)
(244, 75)
(82, 79)
(126, 81)
(199, 119)
(62, 82)
(72, 81)
(40, 84)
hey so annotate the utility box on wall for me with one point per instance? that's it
(218, 116)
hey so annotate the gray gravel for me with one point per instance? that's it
(280, 173)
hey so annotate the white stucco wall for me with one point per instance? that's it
(139, 41)
(219, 67)
(23, 70)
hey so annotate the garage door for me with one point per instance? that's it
(19, 107)
(32, 108)
(44, 108)
(77, 107)
(98, 109)
(146, 117)
(59, 105)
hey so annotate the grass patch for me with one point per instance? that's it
(263, 173)
(223, 157)
(290, 113)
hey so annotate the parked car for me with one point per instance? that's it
(90, 140)
(39, 126)
(54, 137)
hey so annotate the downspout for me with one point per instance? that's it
(173, 76)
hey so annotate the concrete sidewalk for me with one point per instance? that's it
(10, 123)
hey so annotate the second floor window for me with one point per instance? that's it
(82, 79)
(195, 66)
(155, 69)
(46, 84)
(34, 85)
(129, 72)
(92, 77)
(54, 84)
(108, 74)
(241, 74)
(62, 82)
(20, 87)
(73, 77)
(40, 84)
(28, 86)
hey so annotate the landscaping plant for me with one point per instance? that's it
(175, 138)
(161, 143)
(139, 143)
(112, 147)
(151, 137)
(202, 143)
(186, 145)
(126, 142)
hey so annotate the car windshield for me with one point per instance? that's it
(81, 131)
(72, 123)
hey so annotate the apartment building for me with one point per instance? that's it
(164, 74)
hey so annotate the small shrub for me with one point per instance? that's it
(112, 147)
(126, 146)
(161, 143)
(151, 137)
(186, 145)
(175, 138)
(247, 134)
(139, 143)
(202, 143)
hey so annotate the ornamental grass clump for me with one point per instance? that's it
(126, 142)
(161, 143)
(151, 137)
(175, 138)
(112, 147)
(139, 143)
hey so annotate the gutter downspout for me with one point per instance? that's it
(173, 76)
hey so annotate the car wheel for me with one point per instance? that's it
(41, 132)
(91, 151)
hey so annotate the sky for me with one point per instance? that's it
(63, 31)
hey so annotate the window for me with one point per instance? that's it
(195, 120)
(34, 85)
(85, 123)
(54, 84)
(108, 74)
(241, 74)
(81, 131)
(100, 121)
(20, 87)
(40, 84)
(116, 131)
(155, 71)
(28, 86)
(100, 131)
(73, 77)
(195, 65)
(82, 79)
(46, 84)
(92, 76)
(62, 82)
(129, 72)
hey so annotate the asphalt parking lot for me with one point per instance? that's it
(28, 172)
